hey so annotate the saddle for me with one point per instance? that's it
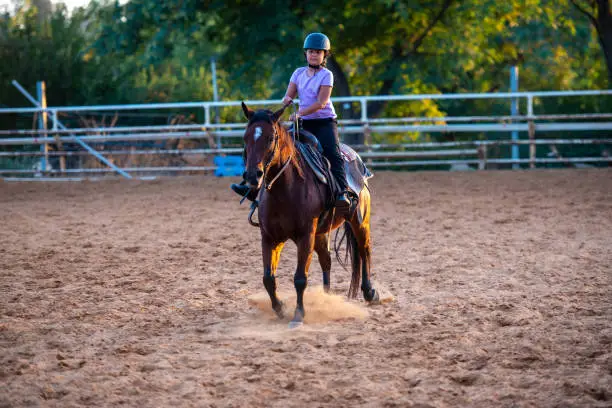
(357, 173)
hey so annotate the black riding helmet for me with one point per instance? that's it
(317, 41)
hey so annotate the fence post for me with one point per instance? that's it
(514, 110)
(367, 139)
(532, 146)
(58, 141)
(42, 124)
(531, 124)
(213, 67)
(482, 157)
(206, 128)
(367, 132)
(364, 110)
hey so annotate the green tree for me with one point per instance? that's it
(41, 45)
(161, 54)
(599, 15)
(147, 50)
(379, 47)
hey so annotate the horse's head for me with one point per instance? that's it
(261, 139)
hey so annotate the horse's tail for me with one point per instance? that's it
(352, 251)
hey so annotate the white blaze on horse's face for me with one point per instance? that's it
(257, 133)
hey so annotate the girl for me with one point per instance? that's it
(313, 84)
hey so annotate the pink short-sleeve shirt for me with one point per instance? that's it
(308, 90)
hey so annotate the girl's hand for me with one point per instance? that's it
(287, 100)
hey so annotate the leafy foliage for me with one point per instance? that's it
(151, 51)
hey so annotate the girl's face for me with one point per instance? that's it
(315, 57)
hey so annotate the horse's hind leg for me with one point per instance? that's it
(321, 248)
(362, 235)
(369, 293)
(271, 255)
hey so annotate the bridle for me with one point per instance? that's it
(268, 185)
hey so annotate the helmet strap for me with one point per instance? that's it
(314, 66)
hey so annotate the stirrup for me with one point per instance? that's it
(254, 206)
(343, 200)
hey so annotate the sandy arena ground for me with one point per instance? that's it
(149, 294)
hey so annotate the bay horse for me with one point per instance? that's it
(291, 201)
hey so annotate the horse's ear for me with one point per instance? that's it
(247, 112)
(276, 115)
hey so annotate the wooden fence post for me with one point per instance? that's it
(59, 143)
(42, 125)
(482, 157)
(532, 145)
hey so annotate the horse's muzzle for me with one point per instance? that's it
(254, 177)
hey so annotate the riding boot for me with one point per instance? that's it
(343, 201)
(244, 191)
(344, 196)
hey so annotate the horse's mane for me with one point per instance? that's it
(285, 141)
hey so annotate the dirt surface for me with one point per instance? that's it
(149, 294)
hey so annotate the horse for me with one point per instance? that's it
(292, 203)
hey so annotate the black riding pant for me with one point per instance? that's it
(326, 130)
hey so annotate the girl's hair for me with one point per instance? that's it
(324, 63)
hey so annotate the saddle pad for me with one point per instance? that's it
(348, 153)
(356, 171)
(357, 174)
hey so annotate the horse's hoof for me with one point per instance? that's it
(374, 298)
(295, 324)
(298, 319)
(279, 309)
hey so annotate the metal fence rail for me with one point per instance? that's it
(220, 134)
(222, 137)
(378, 157)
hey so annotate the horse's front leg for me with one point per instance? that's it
(271, 255)
(305, 247)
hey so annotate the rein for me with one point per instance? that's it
(267, 185)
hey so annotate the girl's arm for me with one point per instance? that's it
(322, 100)
(290, 94)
